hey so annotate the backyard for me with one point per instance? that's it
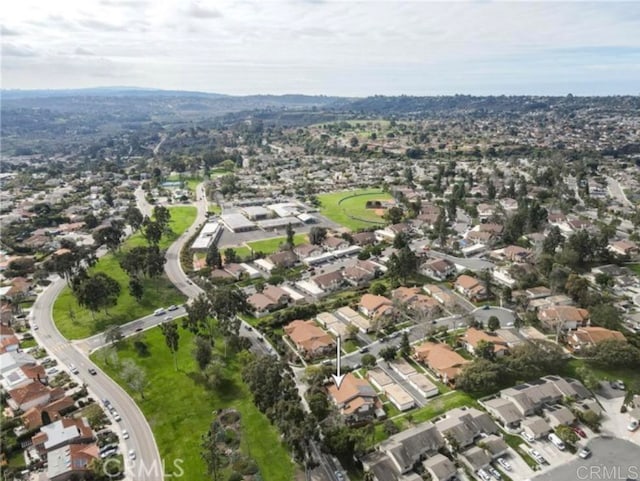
(348, 208)
(178, 406)
(76, 322)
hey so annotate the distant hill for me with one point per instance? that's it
(8, 94)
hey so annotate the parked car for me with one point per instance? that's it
(117, 417)
(483, 475)
(494, 472)
(528, 436)
(108, 452)
(584, 453)
(92, 371)
(557, 442)
(579, 431)
(52, 371)
(125, 434)
(618, 384)
(633, 425)
(132, 454)
(504, 463)
(537, 456)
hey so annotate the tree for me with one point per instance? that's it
(211, 453)
(290, 236)
(317, 235)
(405, 345)
(393, 215)
(134, 376)
(171, 338)
(368, 361)
(577, 287)
(485, 350)
(378, 289)
(535, 358)
(110, 236)
(133, 217)
(154, 261)
(402, 264)
(213, 259)
(230, 256)
(133, 261)
(615, 353)
(162, 216)
(152, 231)
(493, 323)
(319, 405)
(113, 334)
(226, 303)
(214, 374)
(202, 352)
(567, 434)
(481, 376)
(198, 314)
(97, 292)
(136, 288)
(605, 315)
(401, 240)
(389, 353)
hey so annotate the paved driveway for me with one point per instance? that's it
(614, 459)
(505, 316)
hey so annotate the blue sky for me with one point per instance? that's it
(353, 48)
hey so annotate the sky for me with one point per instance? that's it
(343, 47)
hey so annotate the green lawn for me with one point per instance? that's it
(269, 246)
(635, 268)
(179, 407)
(214, 209)
(628, 375)
(337, 211)
(75, 322)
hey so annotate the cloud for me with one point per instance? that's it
(83, 51)
(197, 11)
(7, 32)
(12, 50)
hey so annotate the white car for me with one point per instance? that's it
(159, 311)
(494, 472)
(584, 453)
(484, 475)
(503, 462)
(73, 369)
(125, 434)
(132, 454)
(633, 425)
(528, 436)
(172, 307)
(116, 416)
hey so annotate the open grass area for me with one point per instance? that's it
(348, 207)
(76, 322)
(635, 268)
(628, 375)
(214, 208)
(178, 406)
(269, 246)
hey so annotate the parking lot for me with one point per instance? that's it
(615, 459)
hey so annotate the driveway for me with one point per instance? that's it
(611, 459)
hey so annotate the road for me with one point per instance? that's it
(472, 263)
(616, 191)
(148, 464)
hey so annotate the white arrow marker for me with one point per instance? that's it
(338, 378)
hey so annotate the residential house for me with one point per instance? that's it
(465, 425)
(356, 400)
(329, 282)
(504, 411)
(623, 247)
(585, 337)
(439, 269)
(475, 458)
(307, 250)
(271, 298)
(530, 397)
(408, 448)
(440, 468)
(471, 288)
(535, 427)
(352, 317)
(559, 416)
(62, 432)
(495, 446)
(563, 317)
(374, 306)
(364, 238)
(8, 340)
(399, 397)
(423, 385)
(71, 461)
(284, 259)
(441, 359)
(360, 273)
(309, 339)
(32, 395)
(333, 243)
(38, 416)
(473, 337)
(416, 301)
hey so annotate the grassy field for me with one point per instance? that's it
(178, 406)
(75, 322)
(628, 375)
(635, 268)
(269, 246)
(353, 206)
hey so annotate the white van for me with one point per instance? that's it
(159, 311)
(556, 441)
